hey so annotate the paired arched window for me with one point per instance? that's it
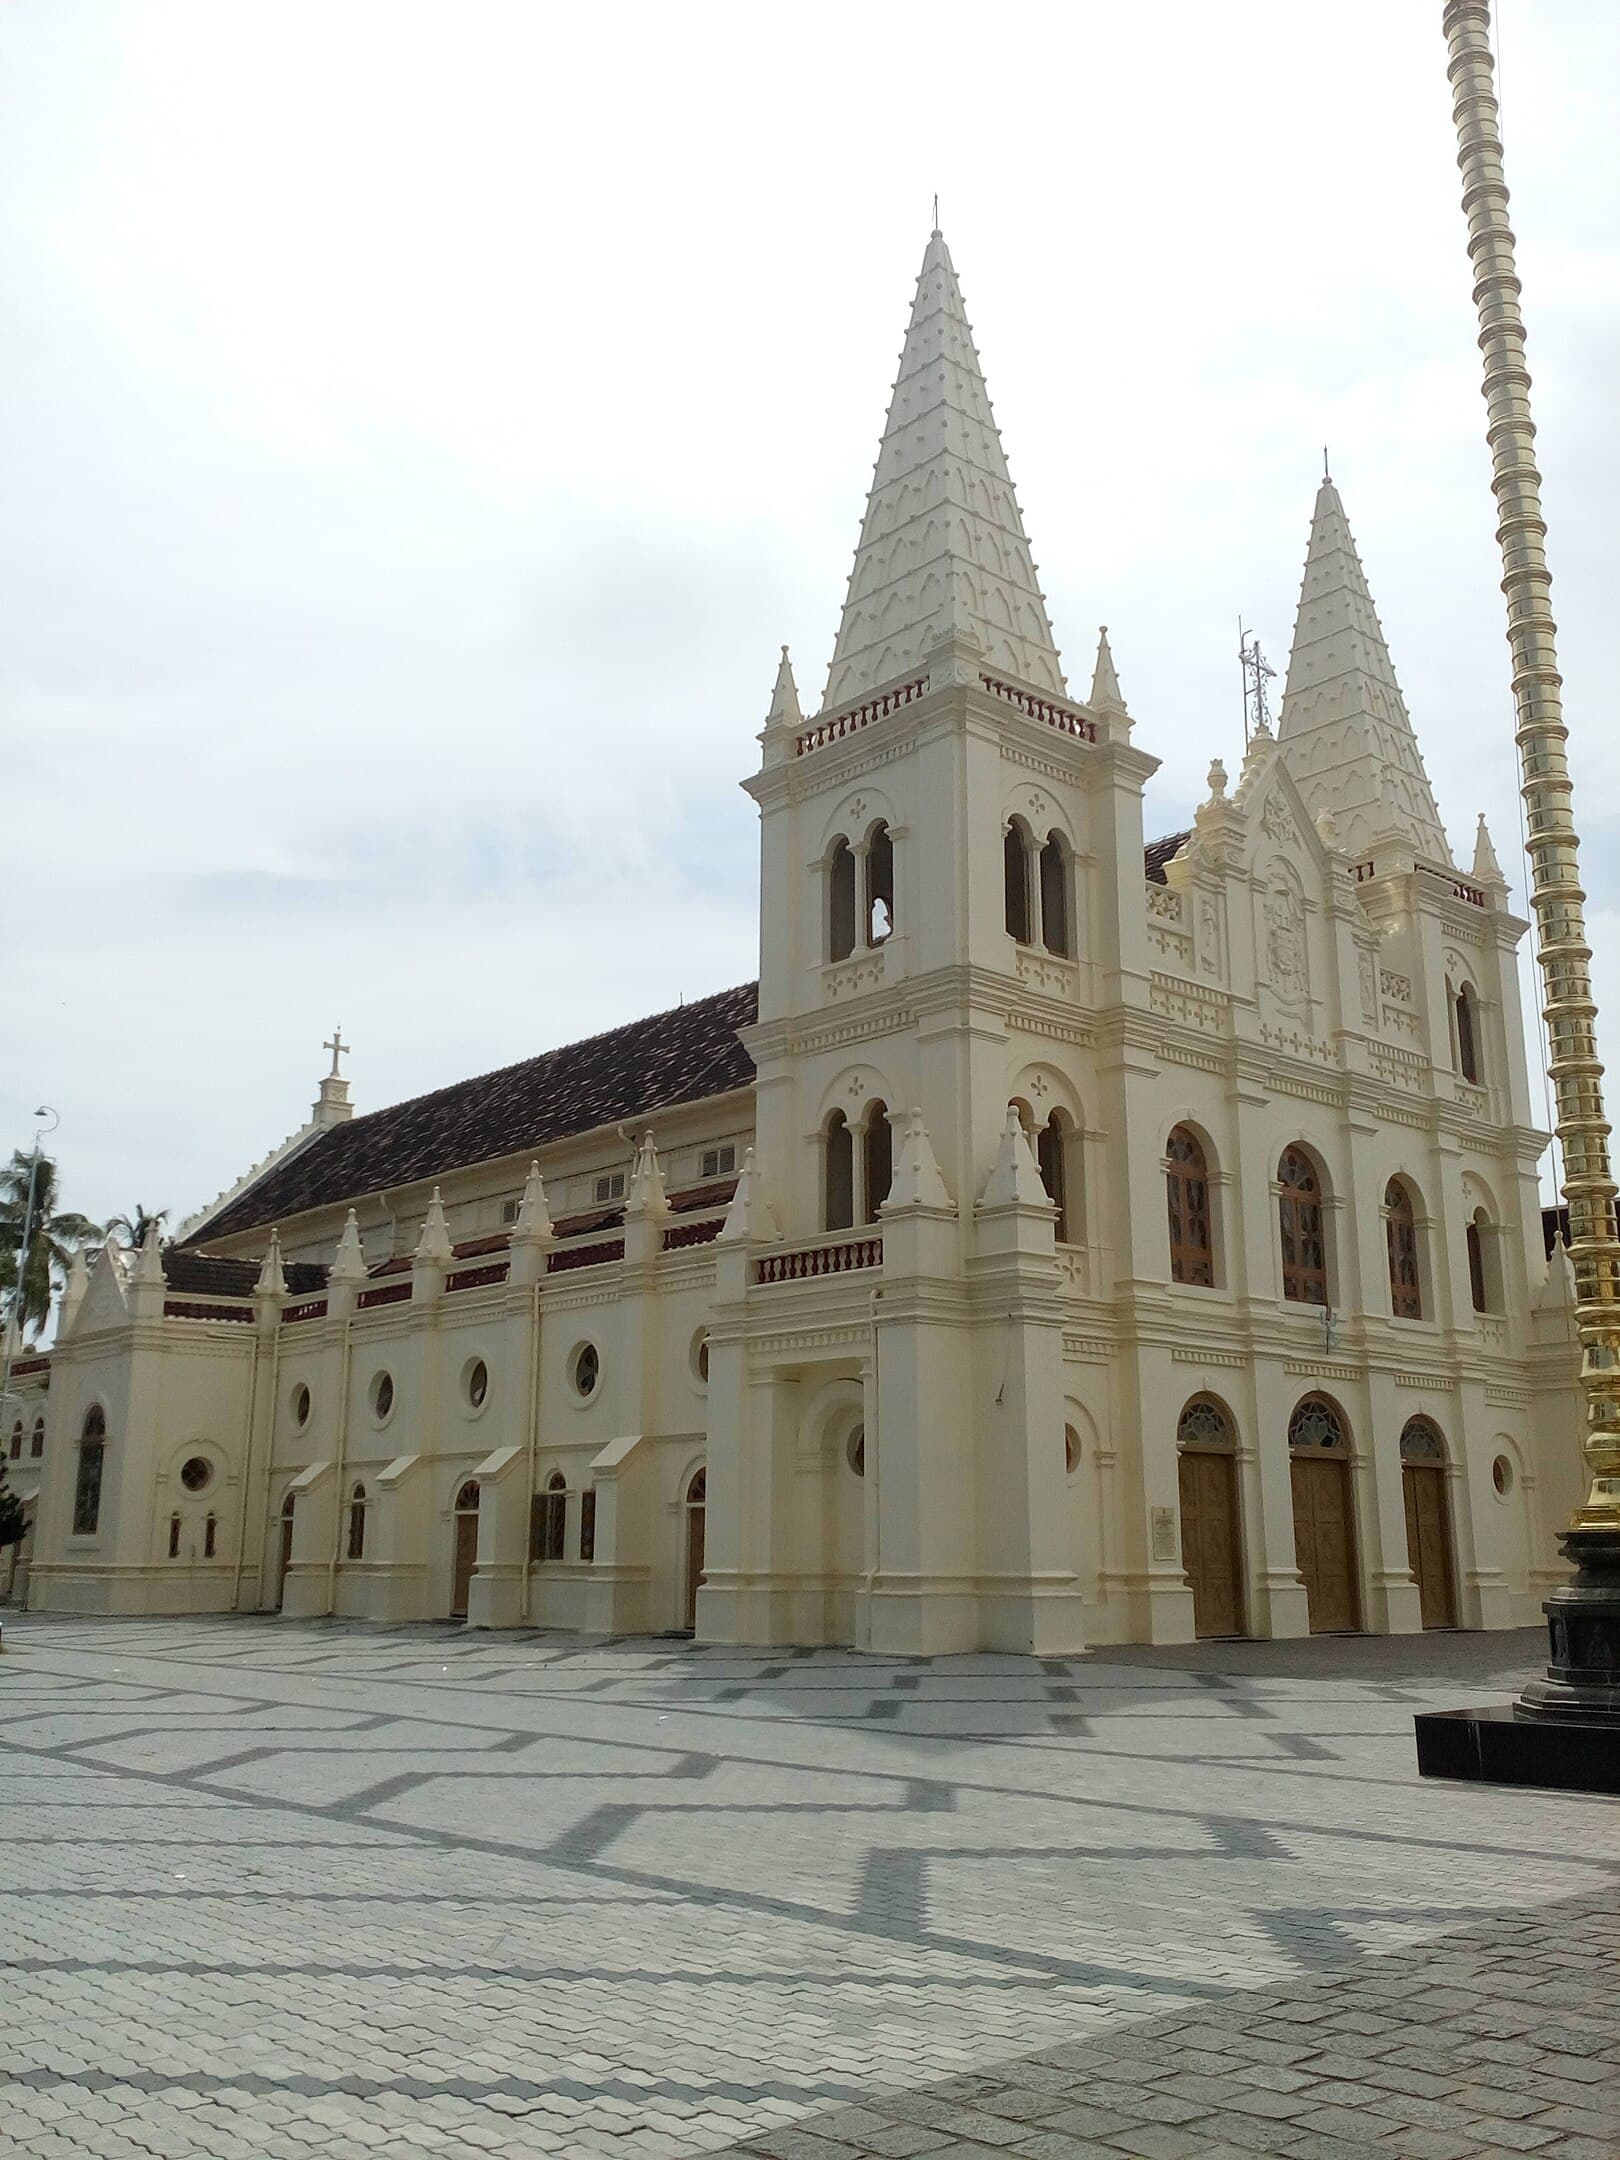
(877, 1161)
(1302, 1228)
(1052, 1160)
(853, 916)
(1400, 1237)
(1186, 1193)
(838, 1174)
(1463, 1000)
(37, 1445)
(841, 901)
(846, 1198)
(1038, 880)
(1483, 1288)
(87, 1485)
(357, 1523)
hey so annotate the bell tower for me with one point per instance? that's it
(940, 844)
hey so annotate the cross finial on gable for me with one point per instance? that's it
(338, 1047)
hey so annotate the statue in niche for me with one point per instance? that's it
(1369, 990)
(1285, 942)
(1209, 939)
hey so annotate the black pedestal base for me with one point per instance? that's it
(1499, 1747)
(1564, 1731)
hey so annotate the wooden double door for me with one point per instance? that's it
(1211, 1544)
(1428, 1542)
(1324, 1542)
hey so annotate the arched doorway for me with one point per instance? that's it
(1428, 1522)
(284, 1559)
(696, 1494)
(1324, 1524)
(466, 1548)
(1211, 1542)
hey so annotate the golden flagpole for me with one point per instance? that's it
(1556, 897)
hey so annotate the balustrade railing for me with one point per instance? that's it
(478, 1278)
(581, 1256)
(308, 1309)
(179, 1308)
(1061, 717)
(681, 1235)
(859, 716)
(811, 1261)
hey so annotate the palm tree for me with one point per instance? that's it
(55, 1237)
(132, 1229)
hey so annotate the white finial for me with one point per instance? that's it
(1105, 689)
(433, 1247)
(272, 1282)
(646, 1195)
(918, 1180)
(1014, 1179)
(748, 1215)
(533, 1223)
(349, 1262)
(784, 712)
(1327, 829)
(1487, 869)
(1217, 780)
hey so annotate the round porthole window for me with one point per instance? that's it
(587, 1370)
(477, 1382)
(1071, 1450)
(195, 1472)
(382, 1396)
(300, 1404)
(855, 1451)
(1502, 1475)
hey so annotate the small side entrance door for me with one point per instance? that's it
(466, 1548)
(696, 1495)
(1209, 1540)
(1428, 1522)
(285, 1560)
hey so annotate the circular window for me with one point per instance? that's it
(476, 1381)
(195, 1472)
(700, 1357)
(1502, 1475)
(300, 1404)
(587, 1370)
(855, 1450)
(1071, 1449)
(382, 1396)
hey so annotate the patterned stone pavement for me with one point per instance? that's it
(274, 1889)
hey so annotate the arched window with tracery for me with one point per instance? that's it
(1015, 854)
(877, 1161)
(357, 1523)
(1052, 1160)
(87, 1484)
(1186, 1193)
(838, 1174)
(879, 885)
(1400, 1237)
(841, 901)
(1302, 1228)
(1057, 932)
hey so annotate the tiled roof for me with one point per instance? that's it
(1158, 852)
(195, 1274)
(673, 1057)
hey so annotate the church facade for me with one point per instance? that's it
(1071, 1239)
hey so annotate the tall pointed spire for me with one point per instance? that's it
(943, 548)
(1345, 734)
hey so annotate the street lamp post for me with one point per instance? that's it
(1564, 1730)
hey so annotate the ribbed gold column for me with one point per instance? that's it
(1555, 889)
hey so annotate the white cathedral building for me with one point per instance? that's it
(1068, 1240)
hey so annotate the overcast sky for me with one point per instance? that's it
(422, 424)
